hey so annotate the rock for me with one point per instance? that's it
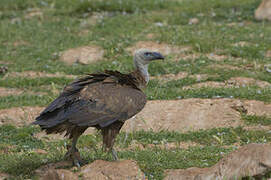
(267, 67)
(59, 174)
(193, 21)
(83, 55)
(263, 12)
(253, 160)
(19, 116)
(116, 170)
(3, 69)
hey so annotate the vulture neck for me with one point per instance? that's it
(141, 74)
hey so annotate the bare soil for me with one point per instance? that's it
(232, 82)
(36, 74)
(194, 114)
(19, 115)
(83, 55)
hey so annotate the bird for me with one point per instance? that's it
(102, 100)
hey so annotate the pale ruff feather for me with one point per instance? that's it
(142, 68)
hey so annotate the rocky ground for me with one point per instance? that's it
(208, 113)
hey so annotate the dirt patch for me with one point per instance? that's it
(258, 108)
(164, 48)
(241, 44)
(83, 55)
(211, 84)
(232, 82)
(150, 36)
(180, 75)
(20, 43)
(244, 81)
(263, 11)
(200, 77)
(5, 62)
(36, 74)
(223, 66)
(126, 169)
(9, 91)
(4, 176)
(35, 12)
(257, 128)
(185, 115)
(48, 137)
(40, 151)
(188, 56)
(194, 114)
(253, 160)
(19, 116)
(217, 57)
(16, 92)
(97, 170)
(166, 145)
(93, 19)
(169, 77)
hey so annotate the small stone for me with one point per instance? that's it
(3, 69)
(193, 21)
(268, 54)
(40, 151)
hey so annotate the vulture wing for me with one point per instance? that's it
(95, 100)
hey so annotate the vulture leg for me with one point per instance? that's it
(109, 135)
(73, 153)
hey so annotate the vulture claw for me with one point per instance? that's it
(74, 156)
(77, 164)
(114, 154)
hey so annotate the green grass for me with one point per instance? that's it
(254, 120)
(221, 25)
(22, 159)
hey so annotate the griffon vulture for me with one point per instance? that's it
(102, 100)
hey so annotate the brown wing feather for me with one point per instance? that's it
(97, 99)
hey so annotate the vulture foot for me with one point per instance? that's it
(74, 155)
(114, 154)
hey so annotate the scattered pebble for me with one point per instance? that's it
(193, 21)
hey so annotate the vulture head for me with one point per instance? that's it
(142, 58)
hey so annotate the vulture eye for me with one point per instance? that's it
(147, 54)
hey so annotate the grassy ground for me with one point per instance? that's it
(34, 44)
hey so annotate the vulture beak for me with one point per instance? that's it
(157, 56)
